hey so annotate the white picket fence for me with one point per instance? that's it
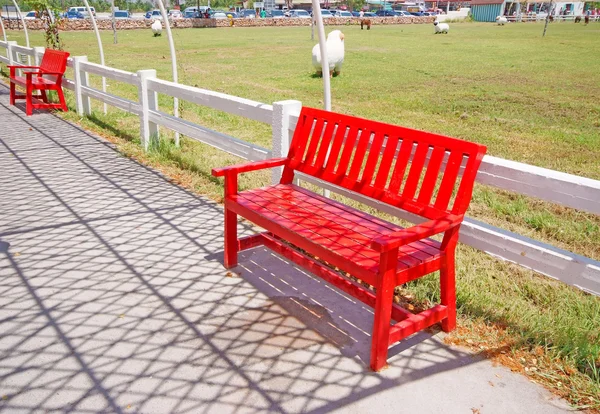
(569, 190)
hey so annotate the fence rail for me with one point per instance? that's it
(569, 190)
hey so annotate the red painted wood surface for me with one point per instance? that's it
(426, 174)
(46, 77)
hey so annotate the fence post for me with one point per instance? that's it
(282, 111)
(148, 101)
(10, 52)
(38, 52)
(82, 103)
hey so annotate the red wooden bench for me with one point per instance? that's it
(426, 174)
(46, 77)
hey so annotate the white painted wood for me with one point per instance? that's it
(24, 27)
(216, 139)
(165, 19)
(9, 51)
(316, 6)
(100, 47)
(247, 108)
(81, 105)
(143, 94)
(68, 84)
(23, 50)
(282, 135)
(38, 53)
(110, 73)
(113, 100)
(3, 33)
(566, 189)
(568, 267)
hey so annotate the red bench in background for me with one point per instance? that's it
(426, 174)
(46, 77)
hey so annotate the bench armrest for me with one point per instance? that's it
(415, 233)
(22, 67)
(251, 166)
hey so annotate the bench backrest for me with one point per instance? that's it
(54, 61)
(424, 173)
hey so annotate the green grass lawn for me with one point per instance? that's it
(528, 98)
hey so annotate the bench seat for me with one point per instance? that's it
(340, 233)
(38, 83)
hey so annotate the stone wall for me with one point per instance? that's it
(130, 24)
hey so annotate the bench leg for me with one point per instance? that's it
(231, 243)
(13, 93)
(61, 98)
(383, 310)
(29, 100)
(44, 96)
(448, 291)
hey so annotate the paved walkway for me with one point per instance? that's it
(113, 299)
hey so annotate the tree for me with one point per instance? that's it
(51, 20)
(355, 4)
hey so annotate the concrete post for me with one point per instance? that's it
(82, 103)
(282, 137)
(148, 101)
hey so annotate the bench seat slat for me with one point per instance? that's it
(334, 226)
(38, 83)
(376, 226)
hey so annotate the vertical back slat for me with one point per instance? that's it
(359, 155)
(386, 162)
(314, 141)
(300, 140)
(324, 148)
(433, 169)
(374, 155)
(465, 190)
(414, 174)
(447, 184)
(349, 144)
(336, 148)
(400, 167)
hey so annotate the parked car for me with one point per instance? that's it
(122, 14)
(343, 13)
(233, 14)
(32, 15)
(247, 14)
(276, 14)
(74, 15)
(386, 13)
(299, 14)
(419, 14)
(370, 14)
(154, 14)
(326, 14)
(175, 14)
(219, 14)
(403, 14)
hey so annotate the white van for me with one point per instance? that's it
(82, 10)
